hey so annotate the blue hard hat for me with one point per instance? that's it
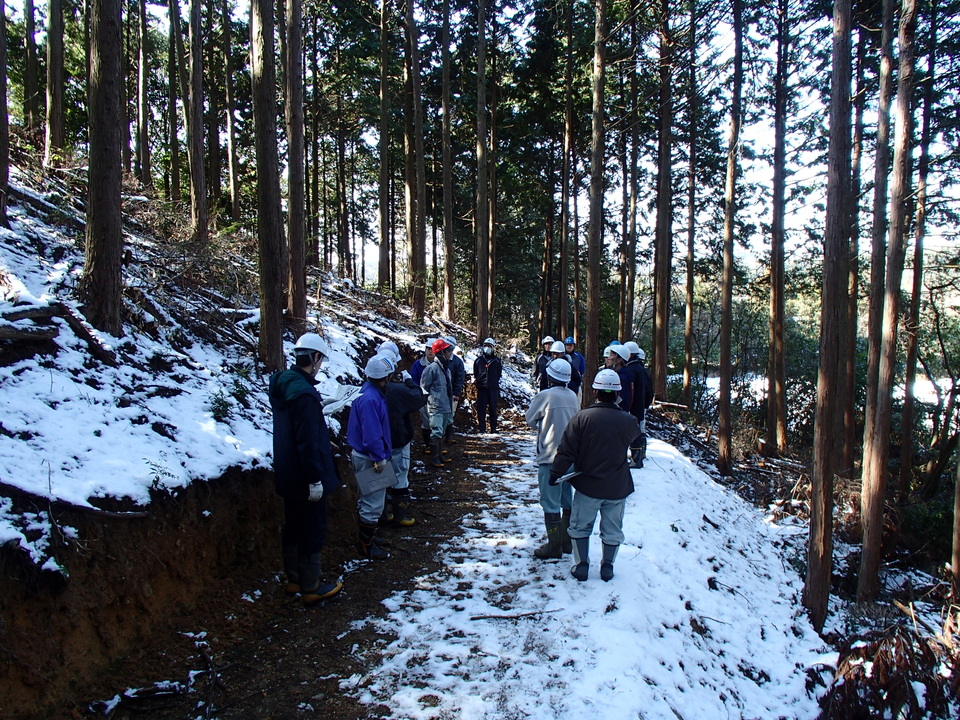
(569, 341)
(615, 342)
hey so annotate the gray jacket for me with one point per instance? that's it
(436, 385)
(549, 413)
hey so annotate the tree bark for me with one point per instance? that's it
(828, 418)
(214, 159)
(293, 114)
(776, 443)
(449, 301)
(595, 230)
(233, 163)
(143, 102)
(920, 228)
(663, 253)
(31, 81)
(101, 286)
(418, 245)
(53, 144)
(173, 130)
(725, 424)
(383, 265)
(269, 219)
(693, 102)
(879, 233)
(482, 207)
(563, 291)
(198, 191)
(875, 451)
(848, 459)
(4, 121)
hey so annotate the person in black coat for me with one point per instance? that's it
(487, 369)
(403, 398)
(641, 399)
(304, 469)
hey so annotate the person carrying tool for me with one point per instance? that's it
(596, 441)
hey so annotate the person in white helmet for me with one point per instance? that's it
(487, 369)
(304, 469)
(595, 442)
(615, 358)
(540, 364)
(549, 413)
(559, 350)
(641, 398)
(368, 433)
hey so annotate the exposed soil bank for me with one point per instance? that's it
(127, 579)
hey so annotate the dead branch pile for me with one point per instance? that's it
(897, 673)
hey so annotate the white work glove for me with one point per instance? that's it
(406, 376)
(316, 492)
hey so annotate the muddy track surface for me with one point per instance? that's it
(250, 651)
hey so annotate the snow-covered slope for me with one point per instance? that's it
(702, 619)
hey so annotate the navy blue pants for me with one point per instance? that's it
(487, 399)
(304, 525)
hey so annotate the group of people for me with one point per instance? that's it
(380, 431)
(587, 450)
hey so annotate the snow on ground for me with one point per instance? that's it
(702, 619)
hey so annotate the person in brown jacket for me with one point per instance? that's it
(596, 441)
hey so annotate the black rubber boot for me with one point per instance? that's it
(437, 454)
(315, 590)
(606, 564)
(448, 437)
(368, 543)
(566, 546)
(581, 556)
(550, 550)
(400, 499)
(427, 441)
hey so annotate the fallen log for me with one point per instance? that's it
(47, 312)
(35, 332)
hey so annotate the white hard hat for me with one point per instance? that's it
(607, 380)
(378, 367)
(620, 350)
(310, 343)
(642, 355)
(451, 340)
(557, 347)
(547, 339)
(559, 369)
(429, 343)
(490, 342)
(390, 349)
(632, 347)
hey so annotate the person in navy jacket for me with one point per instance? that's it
(487, 369)
(368, 433)
(303, 469)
